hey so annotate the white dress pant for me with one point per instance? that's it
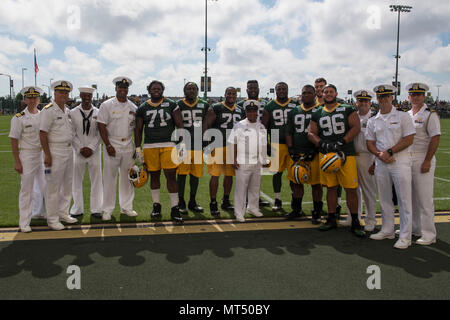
(95, 174)
(422, 198)
(248, 181)
(58, 192)
(366, 188)
(121, 163)
(399, 174)
(32, 186)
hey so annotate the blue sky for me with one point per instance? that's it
(351, 44)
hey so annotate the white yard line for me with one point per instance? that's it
(442, 179)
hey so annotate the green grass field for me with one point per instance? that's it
(10, 186)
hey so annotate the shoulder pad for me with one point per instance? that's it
(48, 106)
(18, 115)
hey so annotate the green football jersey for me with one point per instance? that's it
(333, 124)
(158, 121)
(226, 118)
(193, 115)
(297, 127)
(278, 115)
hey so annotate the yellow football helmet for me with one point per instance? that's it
(300, 172)
(332, 161)
(138, 177)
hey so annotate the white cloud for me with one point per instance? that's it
(293, 41)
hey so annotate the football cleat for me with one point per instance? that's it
(193, 206)
(156, 213)
(175, 215)
(226, 205)
(278, 205)
(316, 217)
(182, 207)
(214, 209)
(330, 224)
(292, 215)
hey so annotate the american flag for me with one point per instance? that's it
(36, 68)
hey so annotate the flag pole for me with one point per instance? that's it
(35, 65)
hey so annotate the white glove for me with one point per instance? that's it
(139, 156)
(182, 152)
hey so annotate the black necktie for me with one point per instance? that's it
(86, 122)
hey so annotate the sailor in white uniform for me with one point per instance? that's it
(86, 152)
(428, 133)
(28, 160)
(389, 136)
(249, 138)
(366, 182)
(56, 135)
(116, 123)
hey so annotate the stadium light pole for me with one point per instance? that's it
(206, 49)
(48, 89)
(438, 86)
(49, 92)
(10, 87)
(399, 9)
(23, 69)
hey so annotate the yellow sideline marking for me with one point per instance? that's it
(165, 228)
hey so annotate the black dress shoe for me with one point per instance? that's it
(76, 215)
(97, 215)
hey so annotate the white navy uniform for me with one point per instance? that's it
(251, 140)
(119, 118)
(387, 130)
(25, 128)
(58, 194)
(86, 135)
(427, 125)
(366, 182)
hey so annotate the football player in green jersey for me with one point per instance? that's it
(193, 111)
(158, 117)
(299, 146)
(222, 116)
(319, 84)
(275, 119)
(253, 94)
(332, 128)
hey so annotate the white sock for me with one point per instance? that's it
(155, 195)
(278, 196)
(173, 199)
